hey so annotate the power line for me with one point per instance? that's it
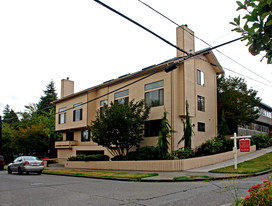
(233, 71)
(134, 22)
(204, 41)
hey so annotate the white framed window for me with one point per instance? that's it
(200, 78)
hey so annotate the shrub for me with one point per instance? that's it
(97, 157)
(183, 153)
(143, 153)
(214, 146)
(83, 157)
(260, 194)
(261, 140)
(79, 157)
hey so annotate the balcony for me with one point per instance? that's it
(65, 144)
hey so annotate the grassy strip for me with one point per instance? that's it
(101, 173)
(256, 165)
(191, 177)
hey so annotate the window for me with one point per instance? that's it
(121, 94)
(118, 95)
(154, 85)
(70, 136)
(77, 114)
(200, 78)
(201, 127)
(156, 97)
(103, 103)
(85, 136)
(152, 128)
(62, 116)
(201, 103)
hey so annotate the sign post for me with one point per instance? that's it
(235, 147)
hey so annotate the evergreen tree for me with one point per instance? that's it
(187, 129)
(164, 134)
(50, 95)
(9, 115)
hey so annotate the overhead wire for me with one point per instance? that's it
(203, 41)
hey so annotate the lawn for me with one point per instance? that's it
(191, 177)
(127, 175)
(258, 164)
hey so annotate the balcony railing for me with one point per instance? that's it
(65, 144)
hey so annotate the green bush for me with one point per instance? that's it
(261, 140)
(83, 157)
(214, 146)
(183, 153)
(97, 157)
(143, 153)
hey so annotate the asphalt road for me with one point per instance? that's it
(60, 190)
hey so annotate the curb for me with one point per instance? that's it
(167, 180)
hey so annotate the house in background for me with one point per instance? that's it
(263, 125)
(194, 80)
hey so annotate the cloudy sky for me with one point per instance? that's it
(49, 40)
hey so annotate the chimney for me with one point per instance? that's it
(185, 40)
(67, 87)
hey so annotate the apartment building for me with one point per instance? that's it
(193, 80)
(263, 125)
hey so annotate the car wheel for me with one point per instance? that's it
(20, 172)
(9, 170)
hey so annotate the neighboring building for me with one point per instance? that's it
(263, 125)
(194, 80)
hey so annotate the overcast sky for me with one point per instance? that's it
(49, 40)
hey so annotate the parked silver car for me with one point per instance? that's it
(26, 164)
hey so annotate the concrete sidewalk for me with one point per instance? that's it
(198, 172)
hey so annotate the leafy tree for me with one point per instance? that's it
(7, 149)
(223, 128)
(187, 129)
(240, 104)
(50, 95)
(31, 140)
(164, 134)
(257, 29)
(120, 127)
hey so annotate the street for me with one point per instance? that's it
(60, 190)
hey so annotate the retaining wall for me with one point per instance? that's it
(156, 165)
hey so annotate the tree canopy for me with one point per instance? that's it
(239, 104)
(257, 28)
(120, 126)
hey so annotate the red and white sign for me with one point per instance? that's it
(245, 145)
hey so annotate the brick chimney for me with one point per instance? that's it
(67, 87)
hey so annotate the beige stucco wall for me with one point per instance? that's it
(70, 124)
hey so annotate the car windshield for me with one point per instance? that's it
(30, 158)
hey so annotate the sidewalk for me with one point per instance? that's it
(198, 172)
